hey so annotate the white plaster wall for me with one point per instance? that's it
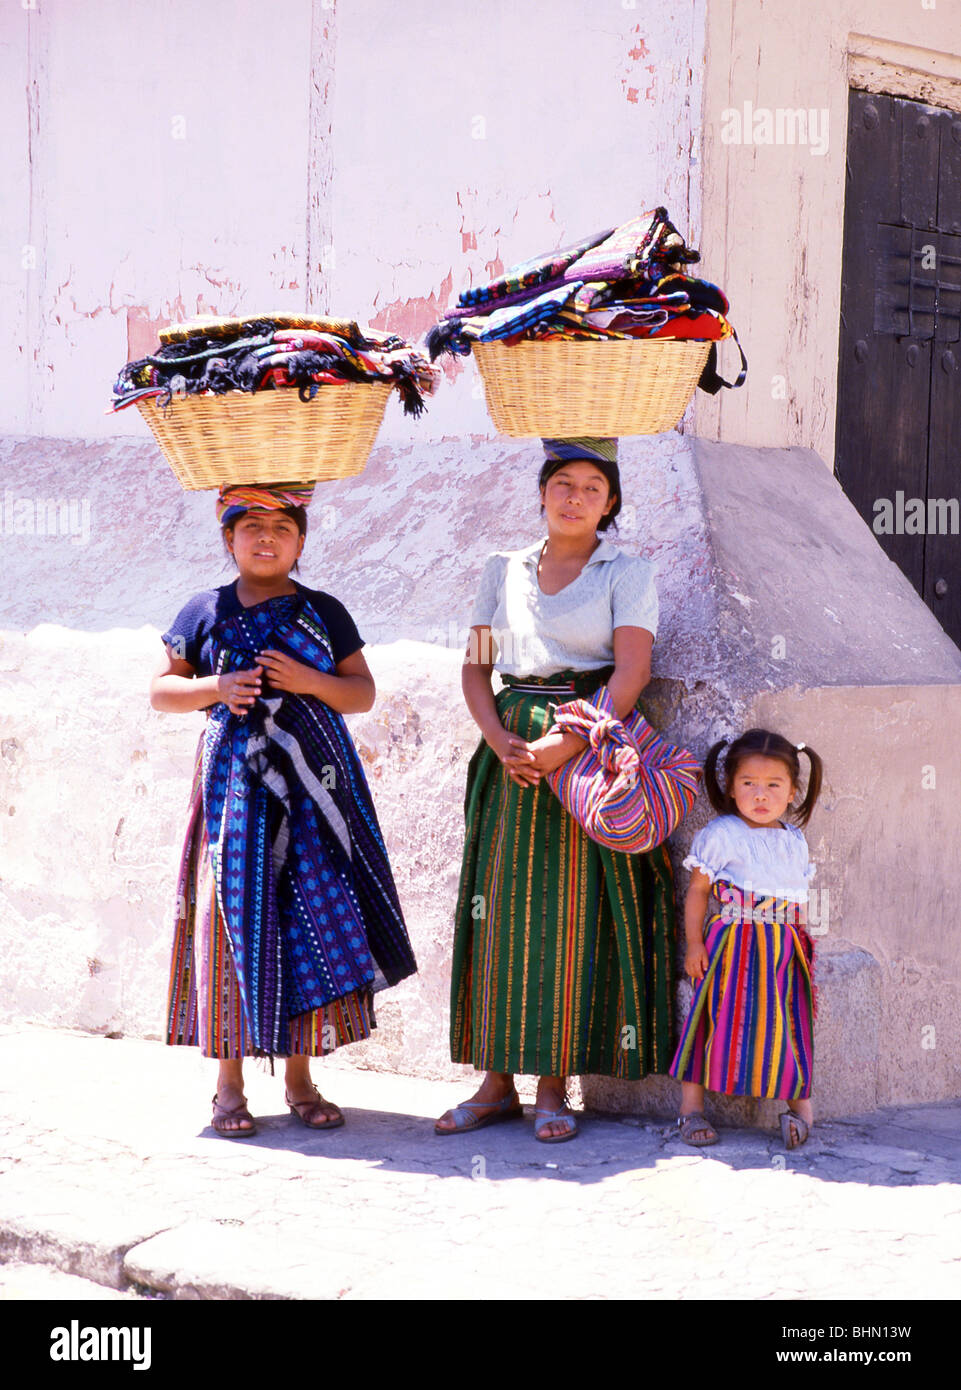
(173, 157)
(774, 213)
(166, 175)
(511, 129)
(892, 768)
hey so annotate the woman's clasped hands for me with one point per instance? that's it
(526, 763)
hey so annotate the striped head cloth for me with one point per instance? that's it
(601, 450)
(236, 498)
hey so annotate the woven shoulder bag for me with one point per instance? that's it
(630, 789)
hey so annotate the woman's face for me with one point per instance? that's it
(762, 790)
(265, 544)
(576, 499)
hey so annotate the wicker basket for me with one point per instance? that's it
(259, 437)
(561, 390)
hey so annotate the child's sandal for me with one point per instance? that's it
(696, 1123)
(803, 1129)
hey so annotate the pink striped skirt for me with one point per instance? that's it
(750, 1027)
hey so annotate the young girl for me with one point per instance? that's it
(288, 918)
(750, 1028)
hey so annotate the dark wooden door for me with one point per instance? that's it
(899, 360)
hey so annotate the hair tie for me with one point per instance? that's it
(800, 748)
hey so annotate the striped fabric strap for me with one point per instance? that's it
(540, 689)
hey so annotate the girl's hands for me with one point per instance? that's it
(695, 960)
(516, 756)
(239, 689)
(695, 906)
(284, 673)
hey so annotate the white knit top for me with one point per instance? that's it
(538, 634)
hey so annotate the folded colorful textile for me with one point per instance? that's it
(535, 272)
(647, 245)
(630, 789)
(627, 283)
(505, 323)
(603, 449)
(214, 326)
(213, 356)
(236, 498)
(314, 914)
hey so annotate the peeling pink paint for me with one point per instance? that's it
(494, 267)
(640, 50)
(142, 331)
(412, 317)
(451, 366)
(468, 241)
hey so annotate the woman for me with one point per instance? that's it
(562, 956)
(288, 917)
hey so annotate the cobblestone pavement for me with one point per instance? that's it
(108, 1173)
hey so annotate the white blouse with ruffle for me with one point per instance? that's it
(771, 861)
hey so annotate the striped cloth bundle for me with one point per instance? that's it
(630, 789)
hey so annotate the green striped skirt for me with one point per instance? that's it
(562, 949)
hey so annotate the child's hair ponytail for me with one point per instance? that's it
(815, 778)
(761, 743)
(719, 799)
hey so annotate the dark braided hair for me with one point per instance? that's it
(761, 743)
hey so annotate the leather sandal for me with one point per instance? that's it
(550, 1116)
(239, 1112)
(308, 1110)
(695, 1123)
(509, 1108)
(789, 1118)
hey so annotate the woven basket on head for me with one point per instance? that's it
(255, 438)
(561, 390)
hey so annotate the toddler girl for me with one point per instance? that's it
(750, 1028)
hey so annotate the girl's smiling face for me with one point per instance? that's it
(762, 790)
(576, 498)
(265, 544)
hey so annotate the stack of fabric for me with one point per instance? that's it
(625, 282)
(211, 355)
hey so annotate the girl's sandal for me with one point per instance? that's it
(696, 1123)
(802, 1128)
(308, 1110)
(239, 1112)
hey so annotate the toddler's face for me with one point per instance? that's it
(762, 790)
